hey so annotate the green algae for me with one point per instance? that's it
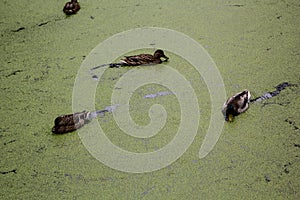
(255, 46)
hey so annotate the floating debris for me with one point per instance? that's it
(236, 5)
(71, 122)
(10, 171)
(293, 123)
(14, 73)
(286, 167)
(43, 23)
(95, 77)
(19, 29)
(158, 94)
(11, 141)
(267, 178)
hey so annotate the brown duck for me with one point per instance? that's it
(137, 60)
(236, 105)
(71, 7)
(72, 122)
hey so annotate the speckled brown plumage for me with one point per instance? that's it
(137, 60)
(236, 105)
(142, 59)
(70, 122)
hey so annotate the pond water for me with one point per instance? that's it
(255, 46)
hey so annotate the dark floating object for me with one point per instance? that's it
(19, 29)
(293, 123)
(297, 145)
(236, 105)
(236, 5)
(43, 23)
(141, 59)
(95, 77)
(14, 73)
(11, 171)
(71, 122)
(71, 7)
(267, 178)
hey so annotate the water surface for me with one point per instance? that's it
(255, 45)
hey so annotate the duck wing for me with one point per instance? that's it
(142, 59)
(241, 102)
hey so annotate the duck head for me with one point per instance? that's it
(160, 54)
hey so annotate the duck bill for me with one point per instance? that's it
(166, 58)
(230, 118)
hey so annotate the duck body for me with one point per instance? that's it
(71, 7)
(236, 105)
(142, 59)
(70, 122)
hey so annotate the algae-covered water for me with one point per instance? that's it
(254, 44)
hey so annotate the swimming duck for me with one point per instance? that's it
(70, 122)
(71, 7)
(141, 59)
(236, 105)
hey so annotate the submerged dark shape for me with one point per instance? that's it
(71, 7)
(141, 59)
(236, 105)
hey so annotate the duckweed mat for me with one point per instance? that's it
(255, 45)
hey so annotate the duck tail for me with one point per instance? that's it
(116, 65)
(97, 67)
(96, 113)
(111, 65)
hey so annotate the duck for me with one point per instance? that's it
(236, 105)
(71, 7)
(144, 59)
(70, 122)
(137, 60)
